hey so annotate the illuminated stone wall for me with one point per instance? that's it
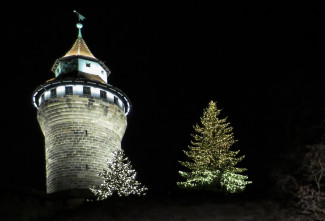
(80, 133)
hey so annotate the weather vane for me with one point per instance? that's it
(79, 25)
(80, 16)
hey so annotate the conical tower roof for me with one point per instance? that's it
(79, 68)
(79, 48)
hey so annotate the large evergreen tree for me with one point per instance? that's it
(211, 163)
(118, 178)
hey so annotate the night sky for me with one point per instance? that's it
(262, 64)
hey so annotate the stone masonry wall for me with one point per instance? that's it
(80, 134)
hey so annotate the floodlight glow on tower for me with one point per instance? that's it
(82, 117)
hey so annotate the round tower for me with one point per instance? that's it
(82, 117)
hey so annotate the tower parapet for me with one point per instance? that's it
(82, 117)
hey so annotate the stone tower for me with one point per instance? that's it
(83, 119)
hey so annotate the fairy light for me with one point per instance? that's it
(118, 178)
(212, 164)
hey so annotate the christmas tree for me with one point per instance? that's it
(212, 164)
(118, 178)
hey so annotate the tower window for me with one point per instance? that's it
(115, 100)
(86, 90)
(103, 94)
(42, 98)
(88, 65)
(53, 92)
(68, 90)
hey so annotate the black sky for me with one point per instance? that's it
(263, 64)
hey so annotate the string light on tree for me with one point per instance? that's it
(119, 178)
(212, 164)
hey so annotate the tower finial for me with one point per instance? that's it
(79, 25)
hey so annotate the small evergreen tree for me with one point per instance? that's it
(212, 164)
(118, 178)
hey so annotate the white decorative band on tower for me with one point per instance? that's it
(57, 88)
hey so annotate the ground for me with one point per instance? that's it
(31, 205)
